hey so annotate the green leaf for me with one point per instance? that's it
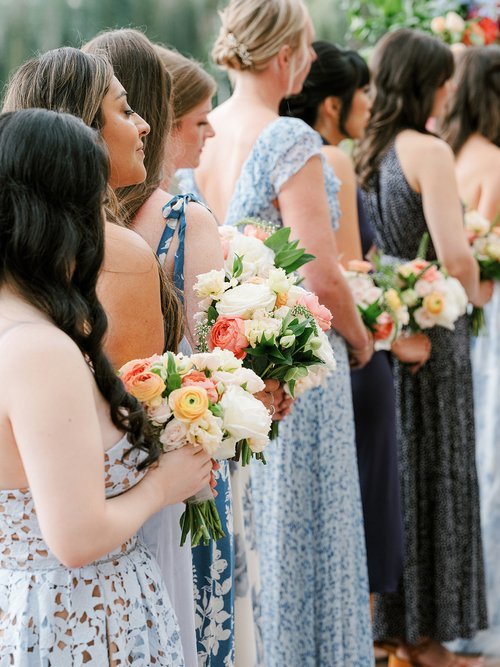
(423, 246)
(237, 266)
(279, 239)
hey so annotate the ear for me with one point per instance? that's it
(331, 107)
(284, 57)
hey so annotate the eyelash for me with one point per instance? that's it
(129, 112)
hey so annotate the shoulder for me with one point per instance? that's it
(198, 215)
(340, 162)
(423, 146)
(126, 251)
(291, 130)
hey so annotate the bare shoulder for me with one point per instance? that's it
(340, 162)
(198, 216)
(126, 251)
(423, 146)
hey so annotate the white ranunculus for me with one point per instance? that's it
(206, 432)
(243, 376)
(160, 414)
(278, 281)
(244, 300)
(211, 284)
(174, 435)
(257, 258)
(245, 418)
(454, 22)
(255, 330)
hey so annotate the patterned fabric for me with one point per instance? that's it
(312, 610)
(114, 611)
(442, 590)
(212, 564)
(486, 376)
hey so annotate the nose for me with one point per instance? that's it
(210, 132)
(142, 127)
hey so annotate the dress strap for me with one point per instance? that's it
(174, 213)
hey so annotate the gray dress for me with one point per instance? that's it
(442, 593)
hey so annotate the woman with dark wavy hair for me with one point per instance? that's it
(76, 480)
(409, 189)
(471, 125)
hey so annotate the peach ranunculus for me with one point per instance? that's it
(359, 266)
(188, 403)
(199, 379)
(434, 303)
(383, 327)
(320, 313)
(146, 387)
(228, 333)
(256, 232)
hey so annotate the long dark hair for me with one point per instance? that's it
(53, 178)
(335, 72)
(408, 68)
(475, 104)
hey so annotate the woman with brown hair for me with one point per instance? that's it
(472, 129)
(409, 189)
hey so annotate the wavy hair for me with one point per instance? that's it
(53, 180)
(334, 73)
(475, 104)
(408, 68)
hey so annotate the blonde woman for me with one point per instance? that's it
(313, 607)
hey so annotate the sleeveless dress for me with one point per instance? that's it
(302, 512)
(486, 379)
(442, 592)
(375, 420)
(113, 611)
(212, 565)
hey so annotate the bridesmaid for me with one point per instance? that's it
(76, 480)
(313, 609)
(410, 188)
(335, 102)
(473, 131)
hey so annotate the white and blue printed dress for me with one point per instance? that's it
(302, 522)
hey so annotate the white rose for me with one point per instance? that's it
(174, 435)
(228, 232)
(453, 22)
(160, 414)
(243, 300)
(206, 432)
(257, 259)
(255, 330)
(245, 418)
(278, 281)
(211, 284)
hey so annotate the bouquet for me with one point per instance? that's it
(256, 308)
(206, 400)
(471, 31)
(382, 311)
(432, 297)
(484, 239)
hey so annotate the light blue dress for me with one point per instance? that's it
(313, 607)
(485, 354)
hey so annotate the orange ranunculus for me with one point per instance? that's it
(146, 387)
(188, 403)
(434, 303)
(228, 333)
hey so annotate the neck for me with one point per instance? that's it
(329, 131)
(259, 88)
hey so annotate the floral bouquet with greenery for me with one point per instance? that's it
(205, 400)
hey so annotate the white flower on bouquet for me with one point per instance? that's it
(211, 285)
(295, 293)
(243, 377)
(243, 300)
(257, 259)
(409, 297)
(279, 282)
(453, 22)
(455, 304)
(245, 418)
(174, 435)
(256, 329)
(160, 414)
(206, 432)
(476, 224)
(424, 319)
(325, 352)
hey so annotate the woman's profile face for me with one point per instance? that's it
(441, 98)
(359, 113)
(123, 131)
(190, 134)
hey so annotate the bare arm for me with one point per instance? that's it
(304, 208)
(347, 236)
(203, 252)
(129, 290)
(489, 200)
(62, 453)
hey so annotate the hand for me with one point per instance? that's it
(485, 293)
(413, 349)
(276, 400)
(359, 357)
(181, 473)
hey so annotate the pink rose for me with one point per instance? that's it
(228, 333)
(359, 266)
(320, 313)
(432, 272)
(199, 379)
(256, 232)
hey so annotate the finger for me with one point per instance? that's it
(272, 385)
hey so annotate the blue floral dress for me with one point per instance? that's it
(212, 564)
(302, 512)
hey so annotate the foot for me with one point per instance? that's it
(430, 653)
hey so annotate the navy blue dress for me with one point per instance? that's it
(375, 419)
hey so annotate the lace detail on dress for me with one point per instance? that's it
(114, 611)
